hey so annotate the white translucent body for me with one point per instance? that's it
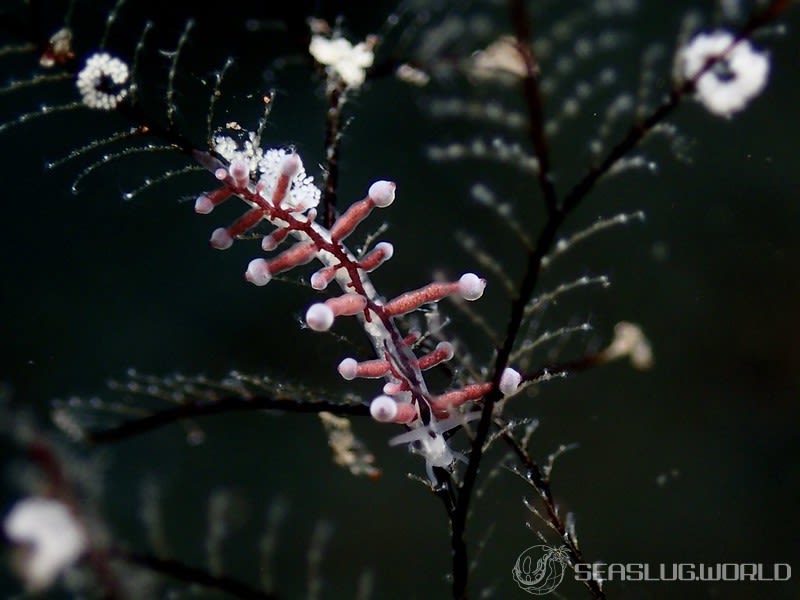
(431, 444)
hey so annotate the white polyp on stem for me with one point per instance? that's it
(258, 272)
(470, 286)
(509, 381)
(382, 193)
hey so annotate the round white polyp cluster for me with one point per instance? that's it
(51, 535)
(102, 81)
(738, 77)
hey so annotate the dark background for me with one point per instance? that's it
(92, 285)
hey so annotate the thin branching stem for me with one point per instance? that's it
(534, 474)
(459, 515)
(217, 406)
(333, 123)
(565, 368)
(533, 100)
(556, 217)
(196, 576)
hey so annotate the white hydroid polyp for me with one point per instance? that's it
(738, 77)
(52, 537)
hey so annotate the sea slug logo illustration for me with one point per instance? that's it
(543, 576)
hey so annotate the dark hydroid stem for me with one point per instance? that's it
(221, 405)
(556, 217)
(193, 575)
(336, 101)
